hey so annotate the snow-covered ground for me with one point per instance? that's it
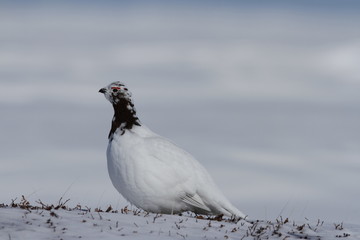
(23, 221)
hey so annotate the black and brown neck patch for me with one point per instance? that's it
(124, 116)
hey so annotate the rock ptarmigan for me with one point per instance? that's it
(153, 173)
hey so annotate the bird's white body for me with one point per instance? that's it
(153, 173)
(156, 175)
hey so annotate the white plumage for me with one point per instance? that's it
(153, 173)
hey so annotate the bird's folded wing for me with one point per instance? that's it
(194, 200)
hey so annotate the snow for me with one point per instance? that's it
(24, 221)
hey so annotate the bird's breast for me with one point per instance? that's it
(125, 164)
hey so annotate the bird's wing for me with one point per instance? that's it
(195, 201)
(172, 168)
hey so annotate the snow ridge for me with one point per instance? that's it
(25, 221)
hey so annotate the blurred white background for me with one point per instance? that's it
(265, 95)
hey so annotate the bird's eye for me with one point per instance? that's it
(115, 89)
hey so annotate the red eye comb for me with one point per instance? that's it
(118, 88)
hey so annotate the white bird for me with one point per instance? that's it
(153, 173)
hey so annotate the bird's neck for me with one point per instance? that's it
(124, 116)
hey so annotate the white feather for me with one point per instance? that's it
(156, 175)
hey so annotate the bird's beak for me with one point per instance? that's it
(103, 90)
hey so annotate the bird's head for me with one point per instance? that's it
(116, 91)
